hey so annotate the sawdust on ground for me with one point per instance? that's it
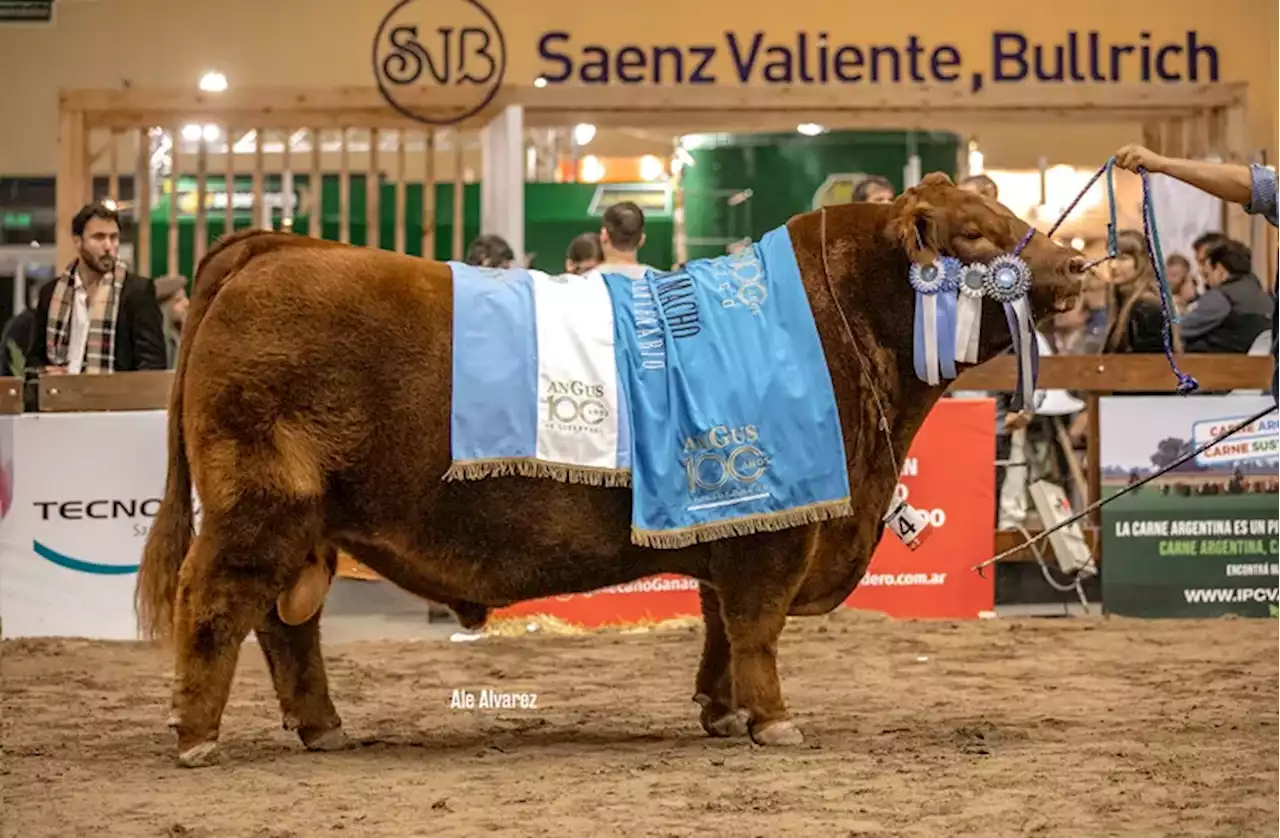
(1082, 727)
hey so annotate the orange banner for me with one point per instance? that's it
(949, 474)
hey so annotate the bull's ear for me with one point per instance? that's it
(915, 230)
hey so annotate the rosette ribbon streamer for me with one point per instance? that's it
(971, 283)
(934, 336)
(1007, 282)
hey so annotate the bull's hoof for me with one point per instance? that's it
(290, 722)
(719, 723)
(778, 734)
(199, 756)
(333, 739)
(471, 616)
(173, 720)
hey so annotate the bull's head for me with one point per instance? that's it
(937, 218)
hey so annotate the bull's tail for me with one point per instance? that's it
(172, 531)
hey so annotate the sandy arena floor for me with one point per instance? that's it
(1087, 727)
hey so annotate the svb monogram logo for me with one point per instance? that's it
(425, 44)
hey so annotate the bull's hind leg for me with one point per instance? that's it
(715, 683)
(297, 670)
(237, 566)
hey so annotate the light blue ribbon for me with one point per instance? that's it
(935, 323)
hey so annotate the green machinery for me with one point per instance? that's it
(743, 185)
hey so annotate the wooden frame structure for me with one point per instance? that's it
(1188, 120)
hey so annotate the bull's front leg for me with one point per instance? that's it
(714, 690)
(754, 609)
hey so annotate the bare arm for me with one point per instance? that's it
(1227, 181)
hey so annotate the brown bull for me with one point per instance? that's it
(311, 407)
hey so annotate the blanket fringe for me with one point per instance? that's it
(766, 522)
(584, 475)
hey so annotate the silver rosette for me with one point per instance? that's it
(951, 268)
(928, 279)
(973, 280)
(1008, 279)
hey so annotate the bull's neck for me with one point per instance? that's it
(870, 276)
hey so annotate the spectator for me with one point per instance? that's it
(584, 254)
(1234, 310)
(874, 189)
(171, 294)
(490, 251)
(981, 185)
(1182, 285)
(621, 237)
(18, 334)
(1201, 246)
(1135, 317)
(97, 317)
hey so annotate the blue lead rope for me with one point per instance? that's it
(1186, 384)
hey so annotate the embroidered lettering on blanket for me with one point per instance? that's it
(705, 390)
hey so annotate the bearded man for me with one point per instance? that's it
(97, 317)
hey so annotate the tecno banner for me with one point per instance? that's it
(949, 475)
(85, 488)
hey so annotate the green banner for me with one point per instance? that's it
(1204, 539)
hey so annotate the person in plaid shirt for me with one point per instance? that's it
(97, 317)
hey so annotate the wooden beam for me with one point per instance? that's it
(459, 195)
(1124, 373)
(72, 181)
(372, 195)
(230, 185)
(143, 390)
(443, 100)
(429, 196)
(10, 395)
(171, 258)
(261, 214)
(142, 205)
(315, 186)
(401, 231)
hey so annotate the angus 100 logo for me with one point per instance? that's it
(430, 45)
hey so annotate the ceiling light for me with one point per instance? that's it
(810, 129)
(583, 133)
(539, 82)
(651, 167)
(213, 82)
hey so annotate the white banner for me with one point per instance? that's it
(85, 489)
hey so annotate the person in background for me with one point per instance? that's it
(1182, 284)
(1135, 318)
(981, 185)
(171, 294)
(584, 253)
(874, 189)
(1252, 187)
(490, 251)
(97, 317)
(18, 334)
(1201, 246)
(1234, 310)
(621, 237)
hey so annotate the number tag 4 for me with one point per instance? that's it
(909, 524)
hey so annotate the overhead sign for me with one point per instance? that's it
(455, 44)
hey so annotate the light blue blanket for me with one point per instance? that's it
(722, 408)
